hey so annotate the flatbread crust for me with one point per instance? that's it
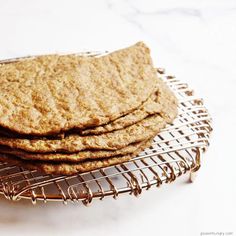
(68, 168)
(72, 157)
(168, 101)
(118, 139)
(51, 94)
(162, 101)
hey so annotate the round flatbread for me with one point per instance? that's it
(51, 94)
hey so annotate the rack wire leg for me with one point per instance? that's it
(194, 170)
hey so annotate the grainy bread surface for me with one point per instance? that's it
(68, 168)
(168, 101)
(117, 139)
(138, 132)
(162, 101)
(51, 94)
(72, 157)
(150, 107)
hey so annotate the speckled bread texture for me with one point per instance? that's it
(138, 132)
(150, 107)
(68, 168)
(166, 105)
(168, 101)
(162, 101)
(72, 157)
(51, 94)
(117, 139)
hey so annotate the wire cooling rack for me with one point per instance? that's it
(175, 151)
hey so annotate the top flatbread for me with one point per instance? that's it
(161, 101)
(51, 94)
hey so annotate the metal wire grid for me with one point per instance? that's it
(175, 151)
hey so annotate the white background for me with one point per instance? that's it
(196, 41)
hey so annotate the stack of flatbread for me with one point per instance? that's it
(65, 114)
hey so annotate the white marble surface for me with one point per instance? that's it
(196, 41)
